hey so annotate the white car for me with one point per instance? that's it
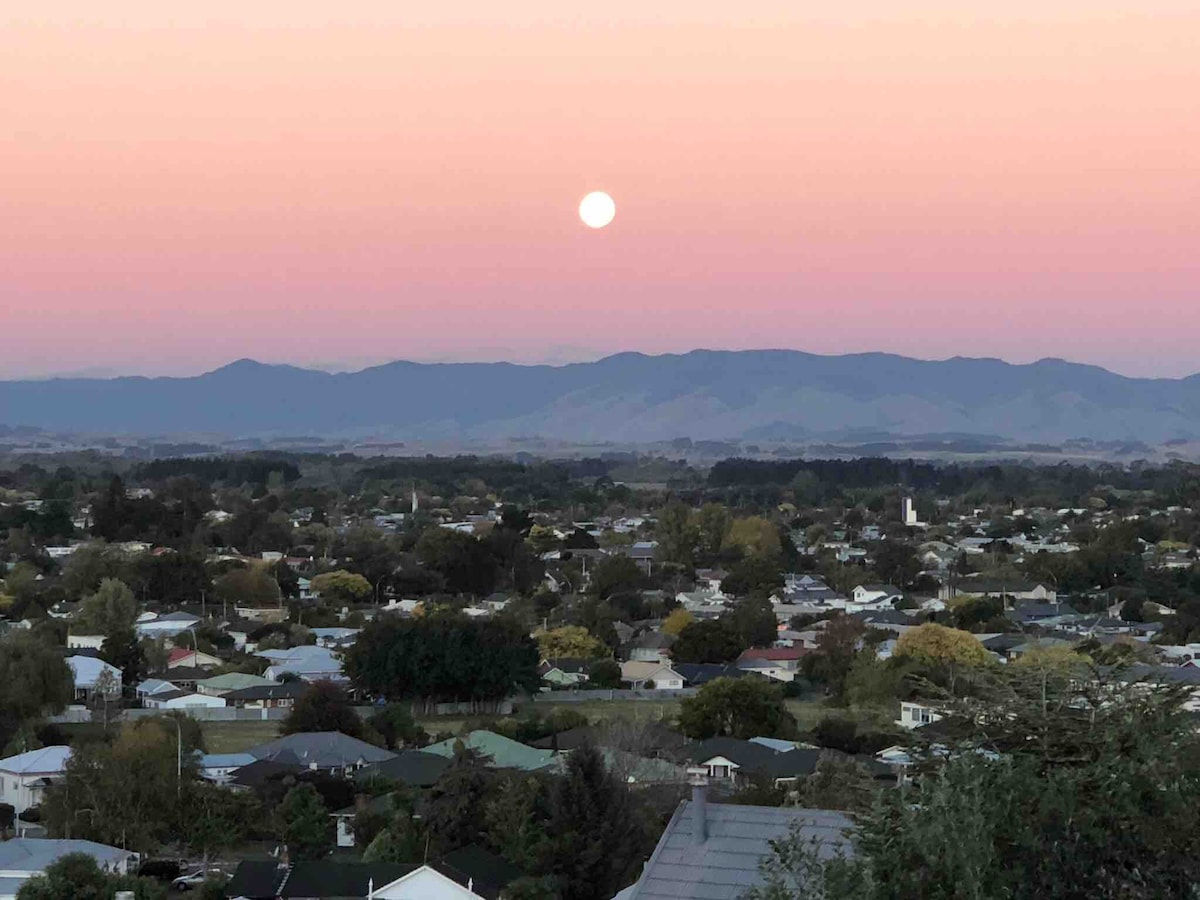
(195, 879)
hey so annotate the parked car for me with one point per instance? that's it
(195, 879)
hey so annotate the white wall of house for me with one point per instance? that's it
(914, 715)
(21, 790)
(424, 884)
(720, 768)
(85, 641)
(189, 701)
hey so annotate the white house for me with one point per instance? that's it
(425, 883)
(183, 700)
(168, 625)
(152, 686)
(877, 596)
(914, 715)
(84, 641)
(88, 671)
(25, 777)
(650, 675)
(23, 858)
(309, 662)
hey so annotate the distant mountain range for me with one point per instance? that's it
(630, 398)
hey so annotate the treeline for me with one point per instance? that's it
(227, 470)
(443, 657)
(1177, 483)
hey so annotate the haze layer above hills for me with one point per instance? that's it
(630, 398)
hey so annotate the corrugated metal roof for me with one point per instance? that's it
(726, 864)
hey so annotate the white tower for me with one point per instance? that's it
(908, 511)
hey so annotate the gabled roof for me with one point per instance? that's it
(724, 865)
(488, 873)
(744, 754)
(232, 681)
(773, 654)
(287, 690)
(323, 749)
(501, 752)
(415, 768)
(697, 674)
(34, 854)
(46, 761)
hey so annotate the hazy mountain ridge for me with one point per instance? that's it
(630, 397)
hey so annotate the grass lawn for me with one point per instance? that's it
(234, 737)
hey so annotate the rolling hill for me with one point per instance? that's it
(630, 397)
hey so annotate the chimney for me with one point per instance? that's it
(699, 804)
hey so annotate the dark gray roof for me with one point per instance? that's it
(725, 864)
(324, 749)
(746, 754)
(413, 767)
(793, 764)
(487, 873)
(697, 674)
(283, 691)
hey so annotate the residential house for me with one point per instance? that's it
(168, 700)
(698, 674)
(267, 696)
(152, 686)
(914, 714)
(416, 768)
(1016, 590)
(308, 662)
(84, 641)
(564, 671)
(499, 752)
(776, 663)
(220, 685)
(874, 596)
(329, 751)
(730, 760)
(168, 625)
(23, 858)
(93, 676)
(220, 767)
(25, 777)
(714, 851)
(650, 676)
(326, 879)
(650, 646)
(710, 580)
(642, 553)
(196, 659)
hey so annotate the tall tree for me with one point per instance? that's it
(1088, 789)
(597, 839)
(323, 707)
(707, 641)
(112, 608)
(304, 824)
(736, 707)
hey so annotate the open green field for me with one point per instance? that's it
(234, 737)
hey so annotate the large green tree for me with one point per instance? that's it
(737, 707)
(323, 707)
(708, 641)
(1060, 786)
(304, 824)
(76, 876)
(597, 835)
(443, 657)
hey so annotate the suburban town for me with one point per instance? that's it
(272, 676)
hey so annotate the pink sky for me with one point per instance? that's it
(185, 184)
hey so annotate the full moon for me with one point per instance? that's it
(597, 209)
